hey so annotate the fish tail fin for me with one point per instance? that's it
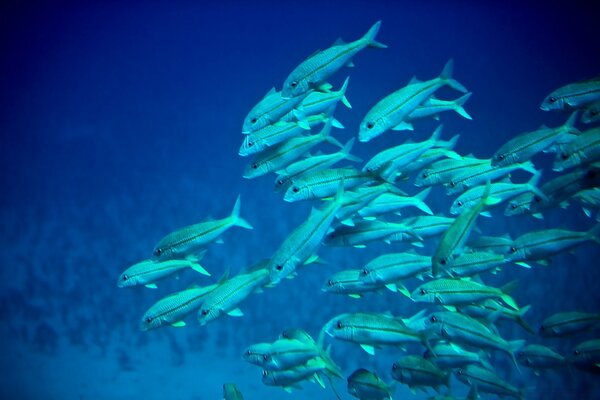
(458, 105)
(370, 36)
(450, 143)
(325, 132)
(521, 321)
(235, 216)
(436, 134)
(513, 347)
(346, 151)
(420, 201)
(343, 93)
(446, 75)
(528, 166)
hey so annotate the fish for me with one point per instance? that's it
(462, 329)
(390, 269)
(473, 263)
(484, 380)
(538, 357)
(290, 378)
(390, 111)
(583, 150)
(586, 356)
(543, 244)
(313, 72)
(370, 330)
(301, 245)
(461, 291)
(426, 159)
(256, 353)
(366, 385)
(494, 244)
(228, 295)
(172, 309)
(590, 201)
(348, 282)
(283, 154)
(433, 106)
(426, 226)
(149, 271)
(269, 136)
(194, 238)
(574, 95)
(479, 174)
(455, 237)
(286, 354)
(442, 171)
(524, 146)
(324, 183)
(492, 310)
(231, 392)
(569, 323)
(419, 373)
(271, 108)
(322, 102)
(366, 231)
(450, 356)
(392, 202)
(591, 113)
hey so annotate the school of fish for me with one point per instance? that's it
(455, 328)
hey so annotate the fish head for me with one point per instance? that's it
(565, 159)
(150, 321)
(269, 378)
(454, 186)
(282, 183)
(296, 192)
(257, 354)
(504, 158)
(440, 262)
(368, 275)
(370, 128)
(400, 373)
(125, 280)
(591, 114)
(424, 178)
(207, 313)
(339, 327)
(254, 121)
(250, 146)
(256, 168)
(553, 102)
(423, 295)
(516, 253)
(294, 86)
(280, 267)
(519, 205)
(459, 206)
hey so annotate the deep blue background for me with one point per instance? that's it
(120, 123)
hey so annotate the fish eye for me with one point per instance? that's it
(433, 318)
(255, 165)
(394, 366)
(460, 371)
(280, 181)
(265, 357)
(250, 144)
(279, 267)
(157, 252)
(330, 283)
(369, 169)
(564, 156)
(248, 352)
(253, 120)
(443, 261)
(501, 156)
(149, 319)
(294, 84)
(265, 373)
(423, 291)
(552, 99)
(424, 175)
(295, 189)
(460, 203)
(370, 125)
(204, 313)
(513, 205)
(452, 183)
(364, 272)
(339, 325)
(537, 199)
(513, 249)
(125, 277)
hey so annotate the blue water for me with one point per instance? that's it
(121, 123)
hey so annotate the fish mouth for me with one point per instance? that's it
(544, 108)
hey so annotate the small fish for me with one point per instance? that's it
(483, 380)
(474, 263)
(428, 158)
(583, 150)
(495, 244)
(574, 95)
(450, 355)
(492, 310)
(569, 323)
(370, 330)
(323, 102)
(390, 112)
(172, 309)
(442, 171)
(228, 295)
(586, 356)
(392, 202)
(231, 392)
(269, 136)
(324, 183)
(256, 353)
(286, 354)
(366, 231)
(390, 269)
(432, 107)
(539, 357)
(290, 378)
(316, 69)
(348, 282)
(270, 109)
(148, 272)
(460, 291)
(419, 373)
(479, 174)
(524, 146)
(191, 239)
(366, 385)
(543, 244)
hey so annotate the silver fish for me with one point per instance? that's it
(366, 385)
(270, 109)
(569, 323)
(148, 272)
(574, 95)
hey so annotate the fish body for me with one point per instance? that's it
(492, 310)
(317, 68)
(289, 353)
(569, 323)
(324, 183)
(348, 282)
(419, 373)
(291, 377)
(586, 355)
(449, 355)
(432, 107)
(442, 171)
(390, 112)
(524, 146)
(459, 291)
(269, 136)
(225, 298)
(484, 380)
(574, 95)
(591, 113)
(394, 267)
(474, 263)
(392, 202)
(366, 385)
(494, 244)
(429, 157)
(323, 102)
(479, 174)
(543, 244)
(172, 309)
(270, 109)
(368, 231)
(193, 238)
(426, 226)
(583, 150)
(304, 241)
(149, 271)
(539, 357)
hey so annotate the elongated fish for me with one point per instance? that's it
(574, 95)
(459, 291)
(538, 357)
(390, 112)
(483, 380)
(348, 282)
(191, 239)
(569, 323)
(419, 373)
(584, 149)
(148, 272)
(324, 183)
(270, 109)
(316, 69)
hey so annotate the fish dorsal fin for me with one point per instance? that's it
(413, 80)
(270, 92)
(339, 42)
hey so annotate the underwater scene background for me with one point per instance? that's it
(122, 122)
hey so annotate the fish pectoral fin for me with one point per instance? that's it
(151, 286)
(219, 241)
(523, 264)
(450, 308)
(368, 348)
(359, 246)
(355, 296)
(178, 324)
(198, 268)
(403, 126)
(319, 380)
(486, 214)
(236, 312)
